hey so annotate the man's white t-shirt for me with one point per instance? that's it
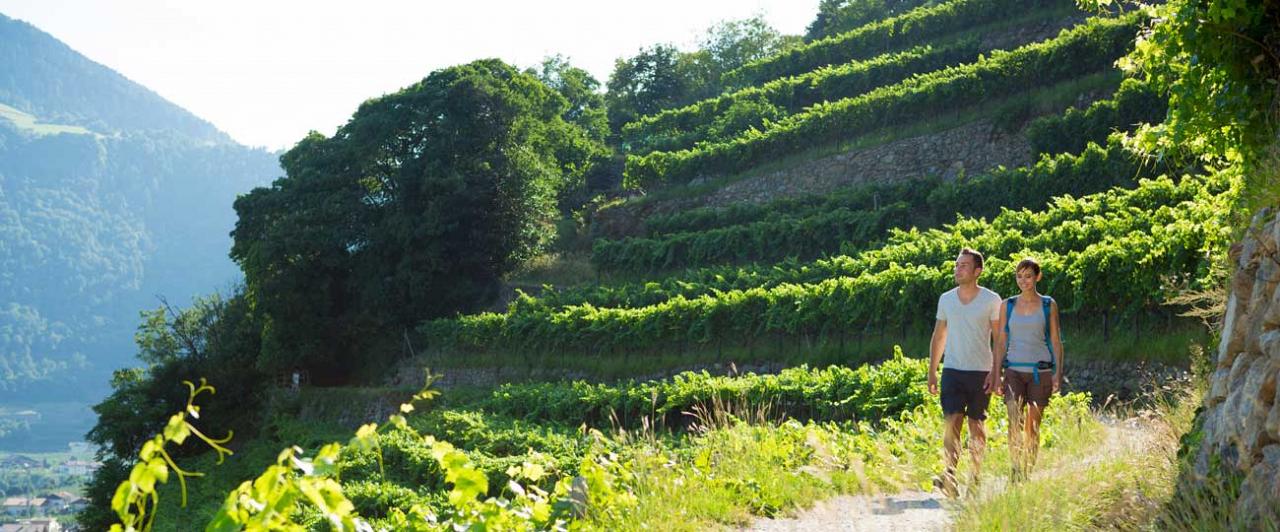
(968, 346)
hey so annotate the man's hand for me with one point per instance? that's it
(933, 382)
(992, 384)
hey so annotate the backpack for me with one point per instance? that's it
(1046, 304)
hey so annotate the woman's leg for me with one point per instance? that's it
(1015, 404)
(1035, 413)
(1037, 399)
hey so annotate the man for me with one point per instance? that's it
(967, 315)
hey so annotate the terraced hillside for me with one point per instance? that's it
(683, 279)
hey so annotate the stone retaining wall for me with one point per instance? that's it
(1241, 416)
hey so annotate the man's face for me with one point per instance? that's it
(965, 272)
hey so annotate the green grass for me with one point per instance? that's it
(738, 472)
(31, 124)
(1033, 103)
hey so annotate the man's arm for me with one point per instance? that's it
(1055, 333)
(936, 346)
(994, 377)
(1001, 343)
(997, 355)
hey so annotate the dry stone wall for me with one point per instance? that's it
(971, 148)
(1241, 416)
(966, 149)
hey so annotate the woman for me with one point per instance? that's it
(1029, 342)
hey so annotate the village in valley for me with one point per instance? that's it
(42, 492)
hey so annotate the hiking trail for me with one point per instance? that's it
(914, 510)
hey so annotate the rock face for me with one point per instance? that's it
(1241, 416)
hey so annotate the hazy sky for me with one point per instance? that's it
(268, 71)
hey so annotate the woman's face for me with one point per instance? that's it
(1027, 279)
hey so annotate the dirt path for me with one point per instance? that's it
(906, 511)
(916, 510)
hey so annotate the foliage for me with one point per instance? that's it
(838, 16)
(216, 337)
(661, 76)
(831, 394)
(1090, 47)
(1132, 106)
(765, 241)
(1219, 63)
(582, 91)
(1102, 251)
(416, 207)
(136, 500)
(785, 228)
(911, 28)
(724, 117)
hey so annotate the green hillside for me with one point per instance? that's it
(729, 294)
(110, 197)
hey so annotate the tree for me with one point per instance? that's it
(838, 16)
(651, 81)
(216, 338)
(733, 43)
(1219, 63)
(414, 209)
(663, 77)
(581, 89)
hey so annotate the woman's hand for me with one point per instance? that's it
(1057, 382)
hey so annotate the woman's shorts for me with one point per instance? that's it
(962, 393)
(1021, 387)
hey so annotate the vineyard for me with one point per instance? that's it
(801, 279)
(1102, 249)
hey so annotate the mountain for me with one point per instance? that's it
(109, 197)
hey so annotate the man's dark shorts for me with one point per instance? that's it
(962, 393)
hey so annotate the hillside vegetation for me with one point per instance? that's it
(386, 248)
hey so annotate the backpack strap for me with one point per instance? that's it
(1046, 303)
(1008, 315)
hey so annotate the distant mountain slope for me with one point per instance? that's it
(109, 196)
(42, 76)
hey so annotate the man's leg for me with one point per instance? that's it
(951, 452)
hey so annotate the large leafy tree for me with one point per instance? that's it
(413, 209)
(581, 89)
(732, 43)
(1219, 63)
(656, 78)
(838, 16)
(662, 77)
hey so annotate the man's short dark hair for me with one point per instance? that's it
(1028, 264)
(977, 257)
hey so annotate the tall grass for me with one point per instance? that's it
(735, 471)
(1136, 480)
